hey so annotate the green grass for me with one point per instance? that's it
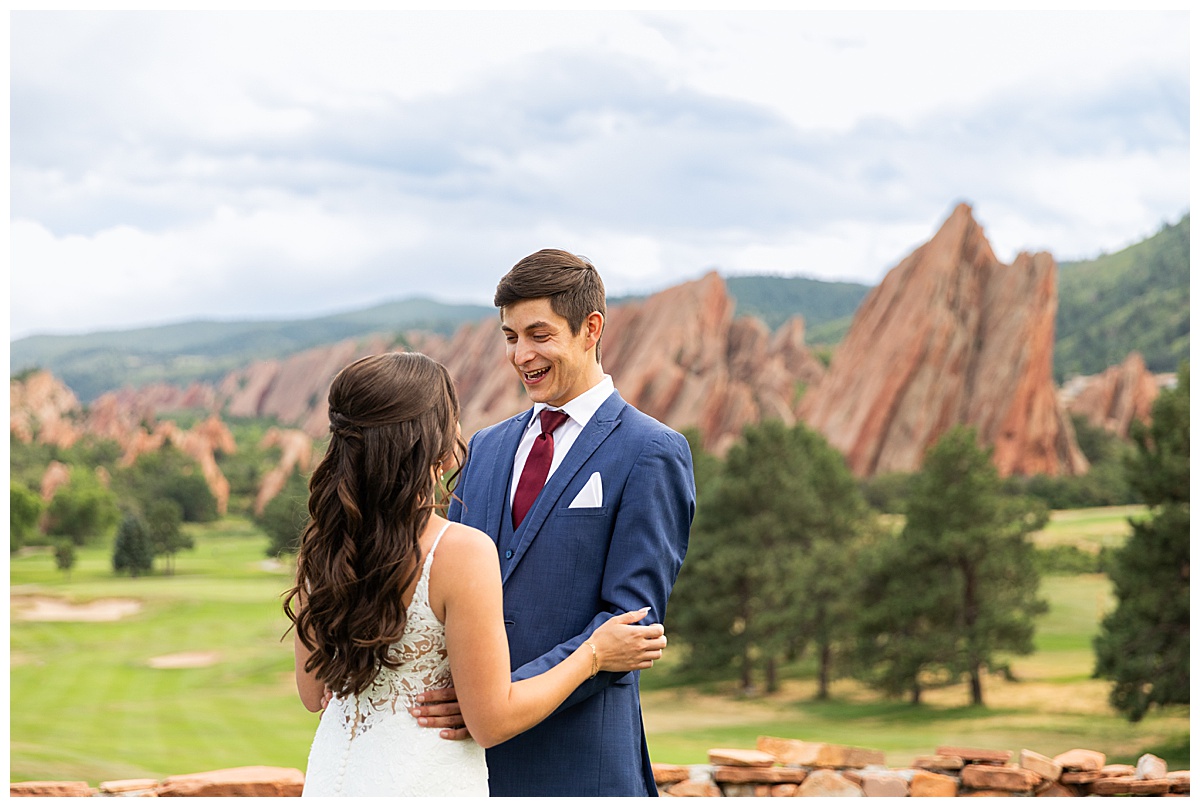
(1091, 529)
(86, 705)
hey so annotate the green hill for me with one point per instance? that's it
(206, 350)
(1135, 299)
(776, 299)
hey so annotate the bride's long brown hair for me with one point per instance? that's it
(394, 421)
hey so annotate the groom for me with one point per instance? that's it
(589, 502)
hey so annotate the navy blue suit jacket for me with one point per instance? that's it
(573, 568)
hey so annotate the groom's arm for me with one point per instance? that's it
(650, 536)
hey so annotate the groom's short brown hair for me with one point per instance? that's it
(570, 282)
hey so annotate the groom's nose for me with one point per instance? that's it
(521, 352)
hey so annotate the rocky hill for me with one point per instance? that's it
(679, 355)
(951, 336)
(1112, 400)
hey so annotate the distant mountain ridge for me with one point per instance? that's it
(202, 350)
(205, 350)
(1135, 299)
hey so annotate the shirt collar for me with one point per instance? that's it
(582, 407)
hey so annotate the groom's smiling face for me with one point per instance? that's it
(554, 364)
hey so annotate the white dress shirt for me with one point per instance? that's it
(580, 410)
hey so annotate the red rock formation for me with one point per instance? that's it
(42, 407)
(201, 443)
(57, 474)
(1115, 398)
(296, 389)
(296, 449)
(682, 358)
(488, 388)
(112, 418)
(679, 356)
(951, 336)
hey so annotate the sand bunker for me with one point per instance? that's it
(52, 609)
(18, 659)
(179, 661)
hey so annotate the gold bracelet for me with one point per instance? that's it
(595, 663)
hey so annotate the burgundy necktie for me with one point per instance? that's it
(537, 466)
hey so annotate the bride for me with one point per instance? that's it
(392, 600)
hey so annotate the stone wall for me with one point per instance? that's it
(776, 767)
(785, 767)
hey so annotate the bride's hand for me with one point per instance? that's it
(622, 646)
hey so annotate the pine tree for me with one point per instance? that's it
(133, 552)
(164, 520)
(1144, 645)
(64, 557)
(765, 569)
(903, 639)
(969, 561)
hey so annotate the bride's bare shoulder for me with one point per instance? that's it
(464, 565)
(461, 543)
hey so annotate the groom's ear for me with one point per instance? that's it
(593, 328)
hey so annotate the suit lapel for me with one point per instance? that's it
(594, 433)
(500, 472)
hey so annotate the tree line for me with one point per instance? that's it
(147, 501)
(788, 557)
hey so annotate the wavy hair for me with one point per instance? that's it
(394, 421)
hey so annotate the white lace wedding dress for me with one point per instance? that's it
(369, 744)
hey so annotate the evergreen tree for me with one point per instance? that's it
(163, 524)
(766, 566)
(133, 552)
(24, 510)
(82, 508)
(284, 517)
(64, 557)
(1144, 645)
(969, 562)
(904, 640)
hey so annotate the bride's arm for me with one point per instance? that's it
(466, 577)
(310, 687)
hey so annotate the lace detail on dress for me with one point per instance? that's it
(425, 664)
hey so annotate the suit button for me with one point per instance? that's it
(508, 554)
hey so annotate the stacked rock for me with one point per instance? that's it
(787, 767)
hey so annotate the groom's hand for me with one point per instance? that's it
(438, 709)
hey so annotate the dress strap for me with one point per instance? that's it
(433, 546)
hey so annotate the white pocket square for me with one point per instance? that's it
(592, 494)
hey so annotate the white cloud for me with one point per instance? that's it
(168, 166)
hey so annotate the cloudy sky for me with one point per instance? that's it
(169, 166)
